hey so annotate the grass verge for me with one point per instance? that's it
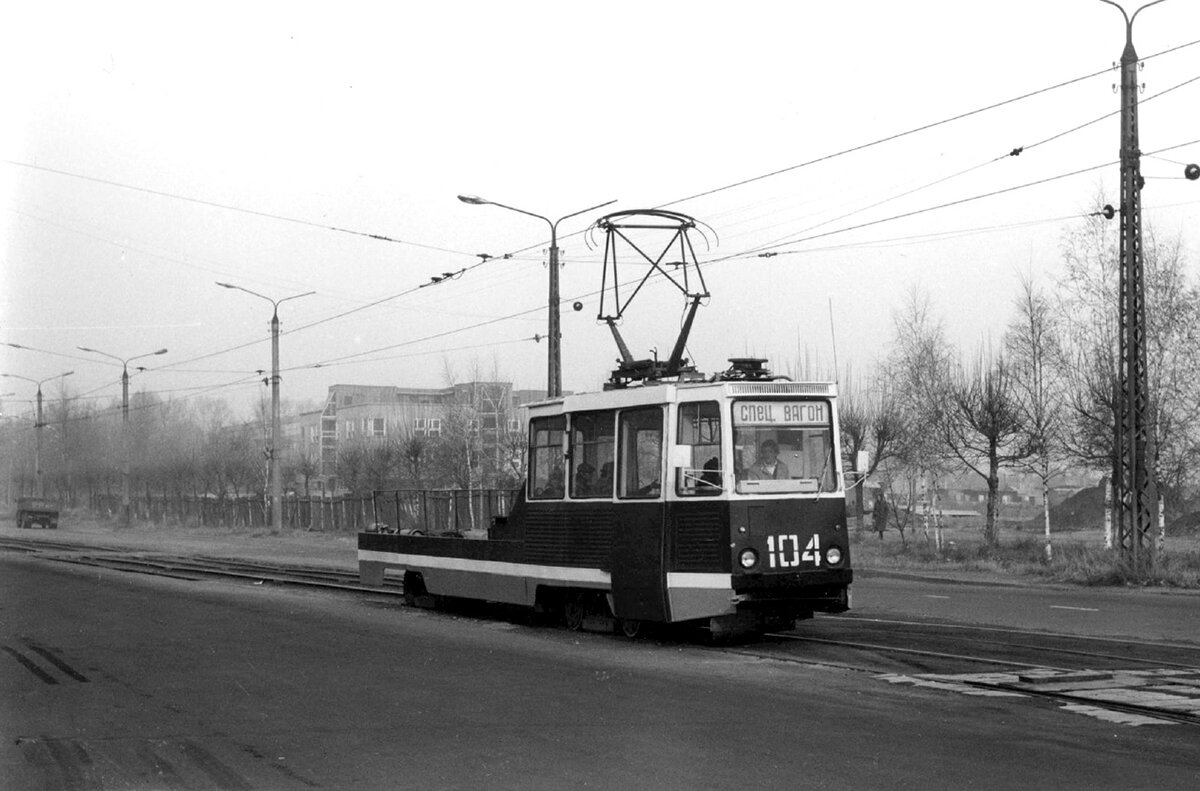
(1074, 560)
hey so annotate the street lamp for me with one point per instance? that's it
(124, 361)
(272, 451)
(553, 333)
(37, 425)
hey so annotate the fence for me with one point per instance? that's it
(439, 512)
(432, 511)
(332, 514)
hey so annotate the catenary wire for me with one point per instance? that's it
(229, 207)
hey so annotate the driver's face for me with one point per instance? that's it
(768, 453)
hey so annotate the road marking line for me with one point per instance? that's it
(932, 596)
(1078, 609)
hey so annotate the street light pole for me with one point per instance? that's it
(273, 471)
(38, 423)
(126, 515)
(553, 324)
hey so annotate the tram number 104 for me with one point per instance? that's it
(784, 551)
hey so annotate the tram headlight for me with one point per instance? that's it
(833, 556)
(748, 558)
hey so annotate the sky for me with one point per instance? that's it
(152, 150)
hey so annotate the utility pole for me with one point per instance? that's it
(1133, 481)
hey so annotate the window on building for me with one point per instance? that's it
(435, 427)
(546, 474)
(700, 433)
(592, 441)
(420, 426)
(378, 427)
(641, 447)
(348, 427)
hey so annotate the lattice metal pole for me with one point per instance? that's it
(1136, 502)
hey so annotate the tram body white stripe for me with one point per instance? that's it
(556, 573)
(677, 579)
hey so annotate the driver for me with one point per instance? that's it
(768, 466)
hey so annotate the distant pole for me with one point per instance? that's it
(1135, 501)
(38, 424)
(126, 514)
(126, 442)
(274, 475)
(553, 322)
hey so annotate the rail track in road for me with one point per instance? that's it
(990, 645)
(1155, 680)
(196, 567)
(1158, 680)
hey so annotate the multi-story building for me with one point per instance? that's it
(356, 412)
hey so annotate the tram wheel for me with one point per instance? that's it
(414, 586)
(632, 628)
(574, 613)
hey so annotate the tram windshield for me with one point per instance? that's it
(783, 446)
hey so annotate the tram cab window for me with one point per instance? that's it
(641, 453)
(547, 476)
(783, 446)
(700, 433)
(593, 437)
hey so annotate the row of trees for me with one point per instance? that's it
(1040, 398)
(199, 448)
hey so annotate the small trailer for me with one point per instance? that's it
(37, 512)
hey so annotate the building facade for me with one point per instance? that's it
(353, 413)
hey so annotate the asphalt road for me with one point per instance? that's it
(116, 680)
(1151, 614)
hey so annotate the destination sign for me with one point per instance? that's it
(781, 413)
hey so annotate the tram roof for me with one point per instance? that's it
(675, 392)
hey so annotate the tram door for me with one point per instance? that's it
(639, 530)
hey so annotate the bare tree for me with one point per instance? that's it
(414, 453)
(870, 420)
(351, 465)
(983, 427)
(384, 461)
(1036, 358)
(919, 370)
(304, 464)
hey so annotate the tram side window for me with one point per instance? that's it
(641, 453)
(546, 474)
(700, 432)
(592, 444)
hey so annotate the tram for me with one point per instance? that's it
(669, 497)
(716, 502)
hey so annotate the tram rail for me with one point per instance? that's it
(197, 567)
